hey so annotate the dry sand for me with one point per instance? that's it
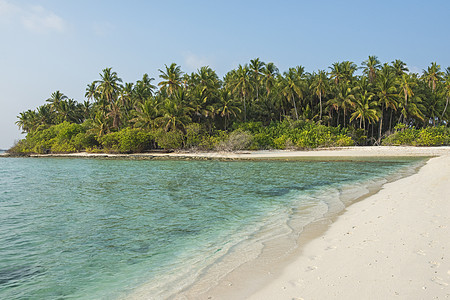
(392, 245)
(321, 152)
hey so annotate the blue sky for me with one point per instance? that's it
(49, 45)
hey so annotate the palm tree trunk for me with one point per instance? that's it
(320, 104)
(445, 108)
(337, 121)
(245, 109)
(390, 122)
(381, 126)
(295, 108)
(344, 116)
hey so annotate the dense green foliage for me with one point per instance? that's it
(254, 107)
(429, 136)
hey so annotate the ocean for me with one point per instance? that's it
(73, 228)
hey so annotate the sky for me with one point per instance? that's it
(49, 45)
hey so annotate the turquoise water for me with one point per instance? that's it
(97, 229)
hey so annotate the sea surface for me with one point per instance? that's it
(74, 228)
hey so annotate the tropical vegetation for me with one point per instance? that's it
(254, 106)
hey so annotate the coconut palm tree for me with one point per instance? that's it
(320, 86)
(206, 81)
(171, 78)
(146, 113)
(336, 73)
(55, 99)
(174, 112)
(269, 76)
(344, 98)
(108, 86)
(386, 93)
(242, 85)
(227, 106)
(447, 90)
(370, 67)
(143, 88)
(399, 67)
(433, 75)
(366, 109)
(91, 92)
(291, 87)
(406, 85)
(348, 69)
(256, 68)
(27, 121)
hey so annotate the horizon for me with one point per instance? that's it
(51, 45)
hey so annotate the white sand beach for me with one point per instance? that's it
(394, 244)
(356, 151)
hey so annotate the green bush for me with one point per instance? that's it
(194, 134)
(128, 140)
(237, 140)
(169, 140)
(429, 136)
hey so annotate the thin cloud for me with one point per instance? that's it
(195, 62)
(414, 69)
(33, 18)
(103, 28)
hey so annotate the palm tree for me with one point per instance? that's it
(345, 98)
(143, 88)
(447, 89)
(291, 86)
(28, 121)
(242, 84)
(336, 73)
(115, 114)
(387, 93)
(146, 113)
(171, 78)
(207, 81)
(348, 69)
(85, 109)
(399, 67)
(320, 86)
(371, 66)
(365, 109)
(406, 85)
(256, 68)
(174, 112)
(227, 106)
(108, 86)
(269, 79)
(91, 92)
(433, 75)
(55, 99)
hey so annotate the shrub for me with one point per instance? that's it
(169, 140)
(429, 136)
(238, 140)
(194, 134)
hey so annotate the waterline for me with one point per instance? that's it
(74, 228)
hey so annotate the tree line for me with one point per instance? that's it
(371, 104)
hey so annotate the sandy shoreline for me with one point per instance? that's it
(368, 151)
(394, 244)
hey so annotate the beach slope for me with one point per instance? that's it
(392, 245)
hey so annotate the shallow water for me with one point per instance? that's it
(97, 229)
